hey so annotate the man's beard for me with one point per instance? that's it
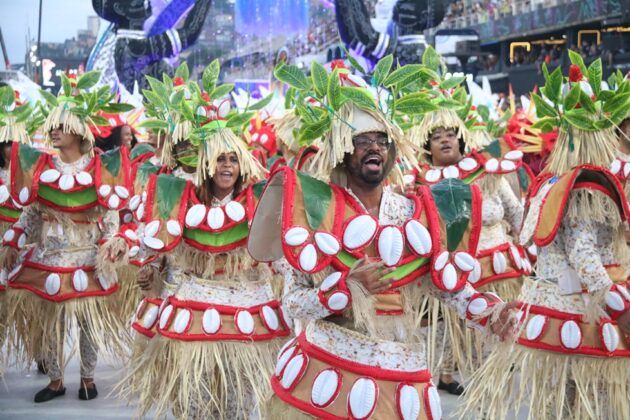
(372, 178)
(368, 177)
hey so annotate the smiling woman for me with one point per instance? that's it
(227, 178)
(445, 147)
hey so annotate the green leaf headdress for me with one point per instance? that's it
(77, 107)
(334, 108)
(584, 112)
(433, 101)
(14, 117)
(201, 115)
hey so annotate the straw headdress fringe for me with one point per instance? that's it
(284, 126)
(419, 134)
(205, 379)
(335, 145)
(69, 122)
(36, 321)
(14, 131)
(166, 158)
(222, 141)
(552, 386)
(477, 140)
(577, 147)
(338, 141)
(182, 131)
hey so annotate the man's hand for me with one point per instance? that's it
(370, 274)
(144, 278)
(505, 324)
(10, 258)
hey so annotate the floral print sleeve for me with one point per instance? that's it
(512, 206)
(582, 247)
(300, 298)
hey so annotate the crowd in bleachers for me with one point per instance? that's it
(463, 13)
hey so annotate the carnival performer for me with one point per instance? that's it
(14, 116)
(572, 350)
(153, 289)
(71, 209)
(354, 251)
(454, 151)
(216, 333)
(461, 148)
(621, 165)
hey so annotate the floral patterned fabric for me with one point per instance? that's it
(500, 211)
(581, 245)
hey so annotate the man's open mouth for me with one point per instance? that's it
(373, 163)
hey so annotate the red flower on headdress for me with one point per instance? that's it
(338, 64)
(18, 100)
(262, 134)
(73, 79)
(205, 96)
(575, 74)
(178, 81)
(548, 142)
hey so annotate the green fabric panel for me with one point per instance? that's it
(68, 199)
(10, 213)
(227, 237)
(404, 270)
(346, 259)
(140, 150)
(145, 170)
(169, 190)
(28, 157)
(453, 199)
(523, 179)
(111, 161)
(317, 196)
(258, 188)
(472, 177)
(494, 149)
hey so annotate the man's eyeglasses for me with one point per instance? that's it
(363, 142)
